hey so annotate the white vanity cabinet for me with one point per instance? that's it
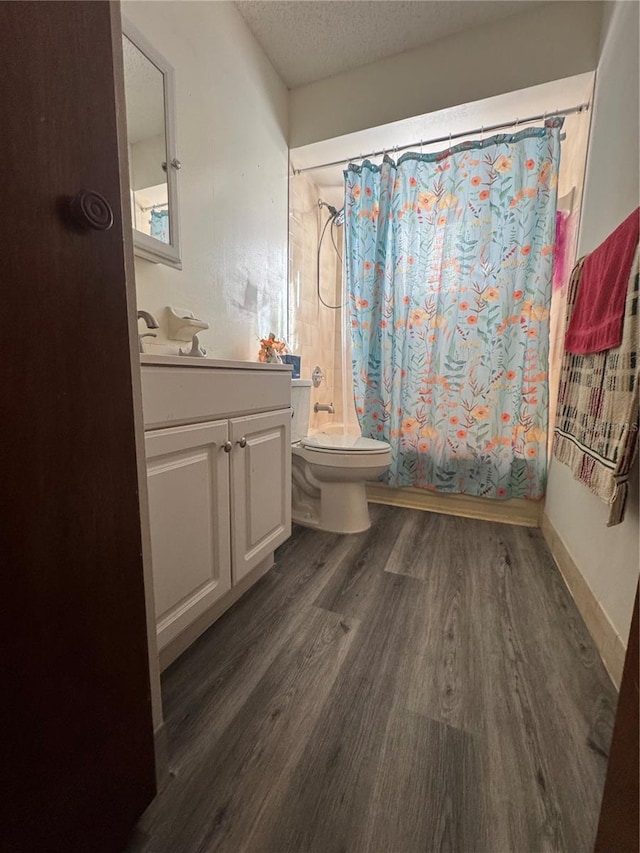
(218, 450)
(189, 512)
(260, 488)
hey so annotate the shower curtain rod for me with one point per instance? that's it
(488, 129)
(154, 206)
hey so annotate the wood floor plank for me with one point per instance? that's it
(428, 791)
(214, 806)
(429, 547)
(427, 685)
(326, 804)
(525, 708)
(515, 761)
(554, 665)
(206, 688)
(440, 643)
(357, 586)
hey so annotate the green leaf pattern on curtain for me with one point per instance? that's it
(449, 262)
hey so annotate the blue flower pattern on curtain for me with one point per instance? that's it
(449, 262)
(159, 225)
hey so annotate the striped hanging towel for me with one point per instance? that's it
(596, 428)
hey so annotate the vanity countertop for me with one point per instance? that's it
(179, 390)
(226, 364)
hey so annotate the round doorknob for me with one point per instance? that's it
(91, 210)
(227, 447)
(177, 165)
(242, 442)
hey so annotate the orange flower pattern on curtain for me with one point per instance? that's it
(449, 263)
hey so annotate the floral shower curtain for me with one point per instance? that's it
(159, 224)
(449, 263)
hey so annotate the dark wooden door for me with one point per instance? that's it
(75, 718)
(618, 829)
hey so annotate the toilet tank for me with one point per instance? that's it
(301, 405)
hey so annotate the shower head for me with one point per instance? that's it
(337, 215)
(329, 207)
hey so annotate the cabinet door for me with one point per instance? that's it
(188, 477)
(260, 487)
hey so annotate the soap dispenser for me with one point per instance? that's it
(183, 325)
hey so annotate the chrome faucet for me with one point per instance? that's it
(151, 323)
(324, 407)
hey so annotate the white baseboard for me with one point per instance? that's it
(611, 647)
(514, 511)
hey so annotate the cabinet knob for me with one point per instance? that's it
(227, 447)
(242, 442)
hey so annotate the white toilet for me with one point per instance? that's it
(329, 472)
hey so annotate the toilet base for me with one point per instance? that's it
(334, 507)
(344, 508)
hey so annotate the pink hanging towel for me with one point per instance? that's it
(598, 315)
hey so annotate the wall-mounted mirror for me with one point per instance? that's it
(153, 161)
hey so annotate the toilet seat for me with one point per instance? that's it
(344, 444)
(348, 453)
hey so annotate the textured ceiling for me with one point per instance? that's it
(308, 40)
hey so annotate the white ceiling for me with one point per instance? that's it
(536, 100)
(308, 40)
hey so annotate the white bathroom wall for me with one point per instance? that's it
(232, 116)
(571, 176)
(607, 557)
(545, 43)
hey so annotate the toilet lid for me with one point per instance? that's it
(344, 443)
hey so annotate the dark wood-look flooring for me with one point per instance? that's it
(426, 686)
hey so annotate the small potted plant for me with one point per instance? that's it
(271, 350)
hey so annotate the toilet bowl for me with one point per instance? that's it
(329, 472)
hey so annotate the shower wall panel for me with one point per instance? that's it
(315, 330)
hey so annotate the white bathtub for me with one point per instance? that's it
(336, 428)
